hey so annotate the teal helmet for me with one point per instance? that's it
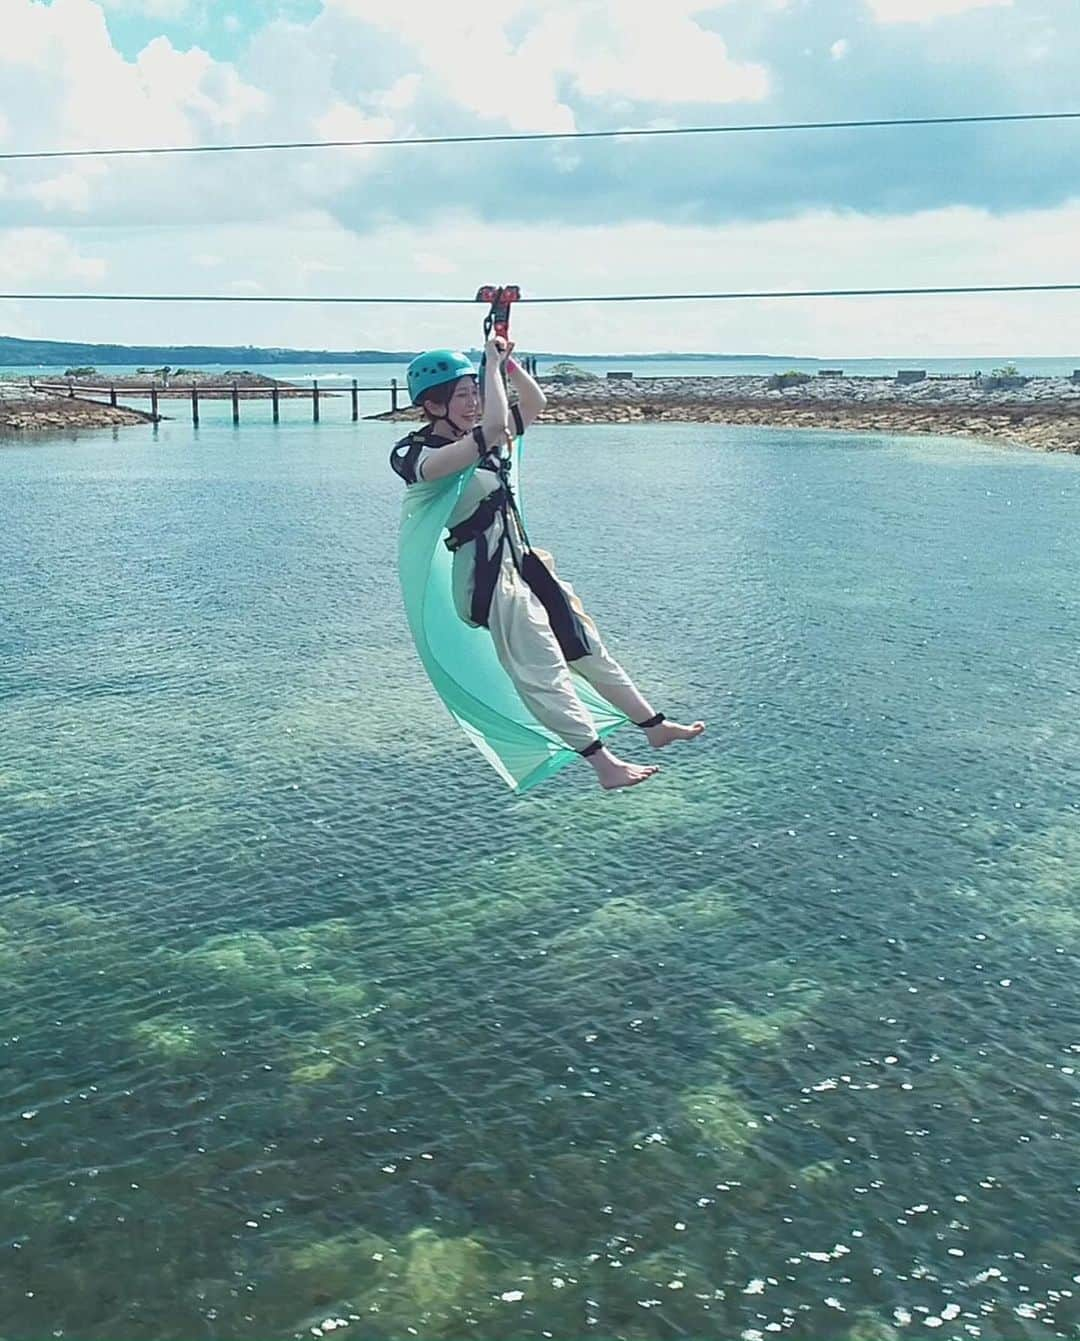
(435, 368)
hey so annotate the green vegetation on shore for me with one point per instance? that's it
(33, 353)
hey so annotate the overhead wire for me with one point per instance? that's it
(733, 295)
(522, 137)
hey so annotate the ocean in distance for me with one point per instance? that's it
(654, 366)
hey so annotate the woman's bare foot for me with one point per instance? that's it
(665, 732)
(612, 772)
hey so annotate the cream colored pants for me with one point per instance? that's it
(530, 654)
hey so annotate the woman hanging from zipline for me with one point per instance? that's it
(459, 467)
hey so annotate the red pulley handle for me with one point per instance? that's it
(500, 299)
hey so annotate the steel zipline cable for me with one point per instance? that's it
(736, 295)
(546, 136)
(534, 136)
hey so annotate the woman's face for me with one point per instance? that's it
(464, 405)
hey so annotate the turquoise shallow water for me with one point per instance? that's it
(309, 1024)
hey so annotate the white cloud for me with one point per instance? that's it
(401, 94)
(372, 68)
(28, 35)
(71, 88)
(28, 255)
(341, 121)
(66, 86)
(610, 52)
(312, 265)
(468, 53)
(193, 83)
(606, 48)
(382, 69)
(820, 250)
(925, 11)
(428, 263)
(70, 191)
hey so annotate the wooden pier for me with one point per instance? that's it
(196, 391)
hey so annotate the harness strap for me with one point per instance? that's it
(404, 454)
(474, 525)
(500, 504)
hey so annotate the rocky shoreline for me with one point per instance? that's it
(26, 410)
(1041, 412)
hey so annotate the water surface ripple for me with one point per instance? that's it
(310, 1027)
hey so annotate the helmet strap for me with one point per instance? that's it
(458, 431)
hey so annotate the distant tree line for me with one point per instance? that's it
(30, 353)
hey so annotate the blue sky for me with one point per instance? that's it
(997, 204)
(222, 30)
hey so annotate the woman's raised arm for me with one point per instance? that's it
(531, 400)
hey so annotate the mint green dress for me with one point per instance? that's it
(460, 659)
